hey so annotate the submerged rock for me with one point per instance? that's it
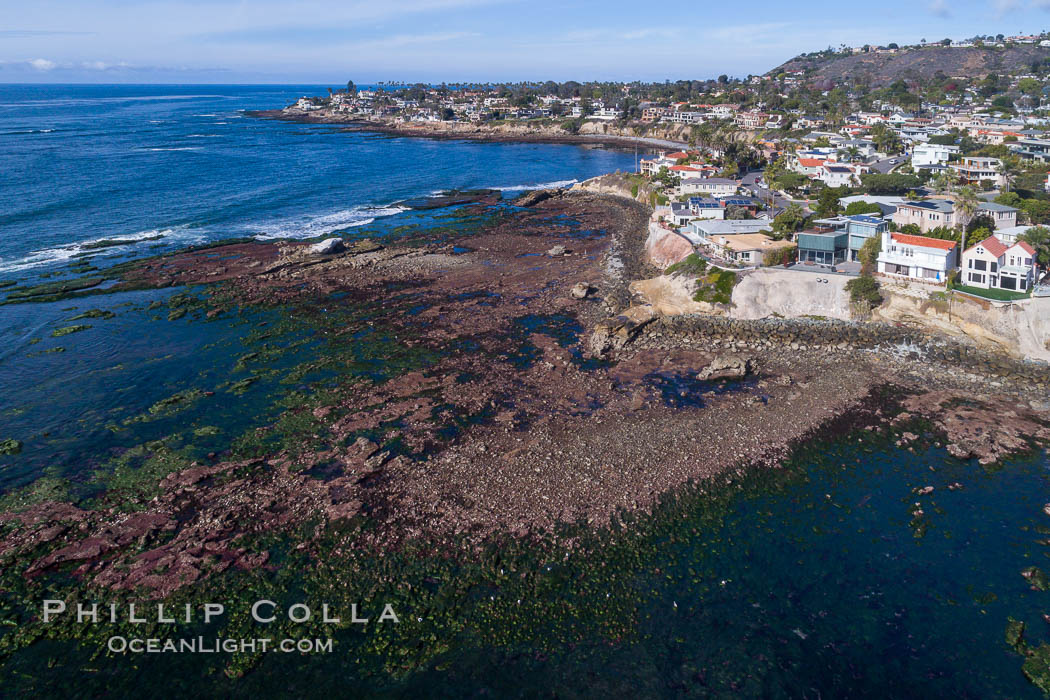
(726, 367)
(329, 246)
(10, 447)
(1037, 577)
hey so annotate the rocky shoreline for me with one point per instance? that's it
(446, 131)
(547, 433)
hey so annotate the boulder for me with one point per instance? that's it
(557, 251)
(329, 246)
(726, 367)
(365, 245)
(530, 199)
(615, 333)
(581, 290)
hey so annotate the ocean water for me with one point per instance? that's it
(84, 163)
(159, 168)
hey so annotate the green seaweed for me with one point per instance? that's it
(59, 332)
(1036, 668)
(94, 313)
(10, 446)
(1037, 578)
(54, 288)
(169, 406)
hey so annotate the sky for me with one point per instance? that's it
(331, 41)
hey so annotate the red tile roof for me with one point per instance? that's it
(993, 245)
(923, 241)
(810, 162)
(1026, 248)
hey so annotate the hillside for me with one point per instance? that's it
(881, 69)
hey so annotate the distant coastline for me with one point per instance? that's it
(467, 131)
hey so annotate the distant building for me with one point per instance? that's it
(712, 186)
(975, 169)
(706, 208)
(935, 213)
(932, 154)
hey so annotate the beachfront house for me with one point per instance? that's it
(823, 245)
(858, 227)
(917, 257)
(994, 264)
(701, 231)
(745, 248)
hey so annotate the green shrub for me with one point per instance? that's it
(864, 291)
(693, 265)
(781, 256)
(716, 287)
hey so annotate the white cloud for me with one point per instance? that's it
(42, 64)
(940, 8)
(1003, 7)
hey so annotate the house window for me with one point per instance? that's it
(993, 267)
(980, 265)
(976, 277)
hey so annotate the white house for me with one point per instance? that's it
(712, 186)
(917, 257)
(932, 154)
(840, 175)
(706, 208)
(993, 264)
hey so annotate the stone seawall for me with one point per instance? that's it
(713, 332)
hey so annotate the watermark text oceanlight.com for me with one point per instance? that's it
(263, 612)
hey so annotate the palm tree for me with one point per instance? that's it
(965, 209)
(1008, 172)
(944, 182)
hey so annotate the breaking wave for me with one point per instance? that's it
(314, 225)
(539, 186)
(48, 256)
